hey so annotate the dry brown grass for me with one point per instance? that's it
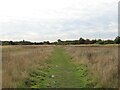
(102, 62)
(18, 60)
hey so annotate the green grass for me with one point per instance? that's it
(60, 72)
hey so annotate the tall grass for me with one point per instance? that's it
(102, 62)
(17, 61)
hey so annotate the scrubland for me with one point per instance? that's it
(17, 61)
(102, 62)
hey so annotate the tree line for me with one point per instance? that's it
(67, 42)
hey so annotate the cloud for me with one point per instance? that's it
(41, 20)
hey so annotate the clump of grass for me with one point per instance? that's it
(17, 62)
(102, 62)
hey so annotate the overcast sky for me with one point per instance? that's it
(41, 20)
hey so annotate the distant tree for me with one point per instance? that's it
(5, 43)
(117, 40)
(75, 42)
(87, 41)
(99, 41)
(93, 41)
(54, 43)
(23, 41)
(11, 43)
(59, 41)
(81, 41)
(108, 42)
(46, 42)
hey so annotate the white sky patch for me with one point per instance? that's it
(39, 20)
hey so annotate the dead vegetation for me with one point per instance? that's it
(18, 60)
(102, 62)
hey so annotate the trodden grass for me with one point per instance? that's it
(60, 72)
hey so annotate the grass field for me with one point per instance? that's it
(60, 66)
(101, 60)
(19, 60)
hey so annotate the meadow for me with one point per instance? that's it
(60, 66)
(17, 61)
(101, 60)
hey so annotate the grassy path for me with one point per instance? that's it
(61, 73)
